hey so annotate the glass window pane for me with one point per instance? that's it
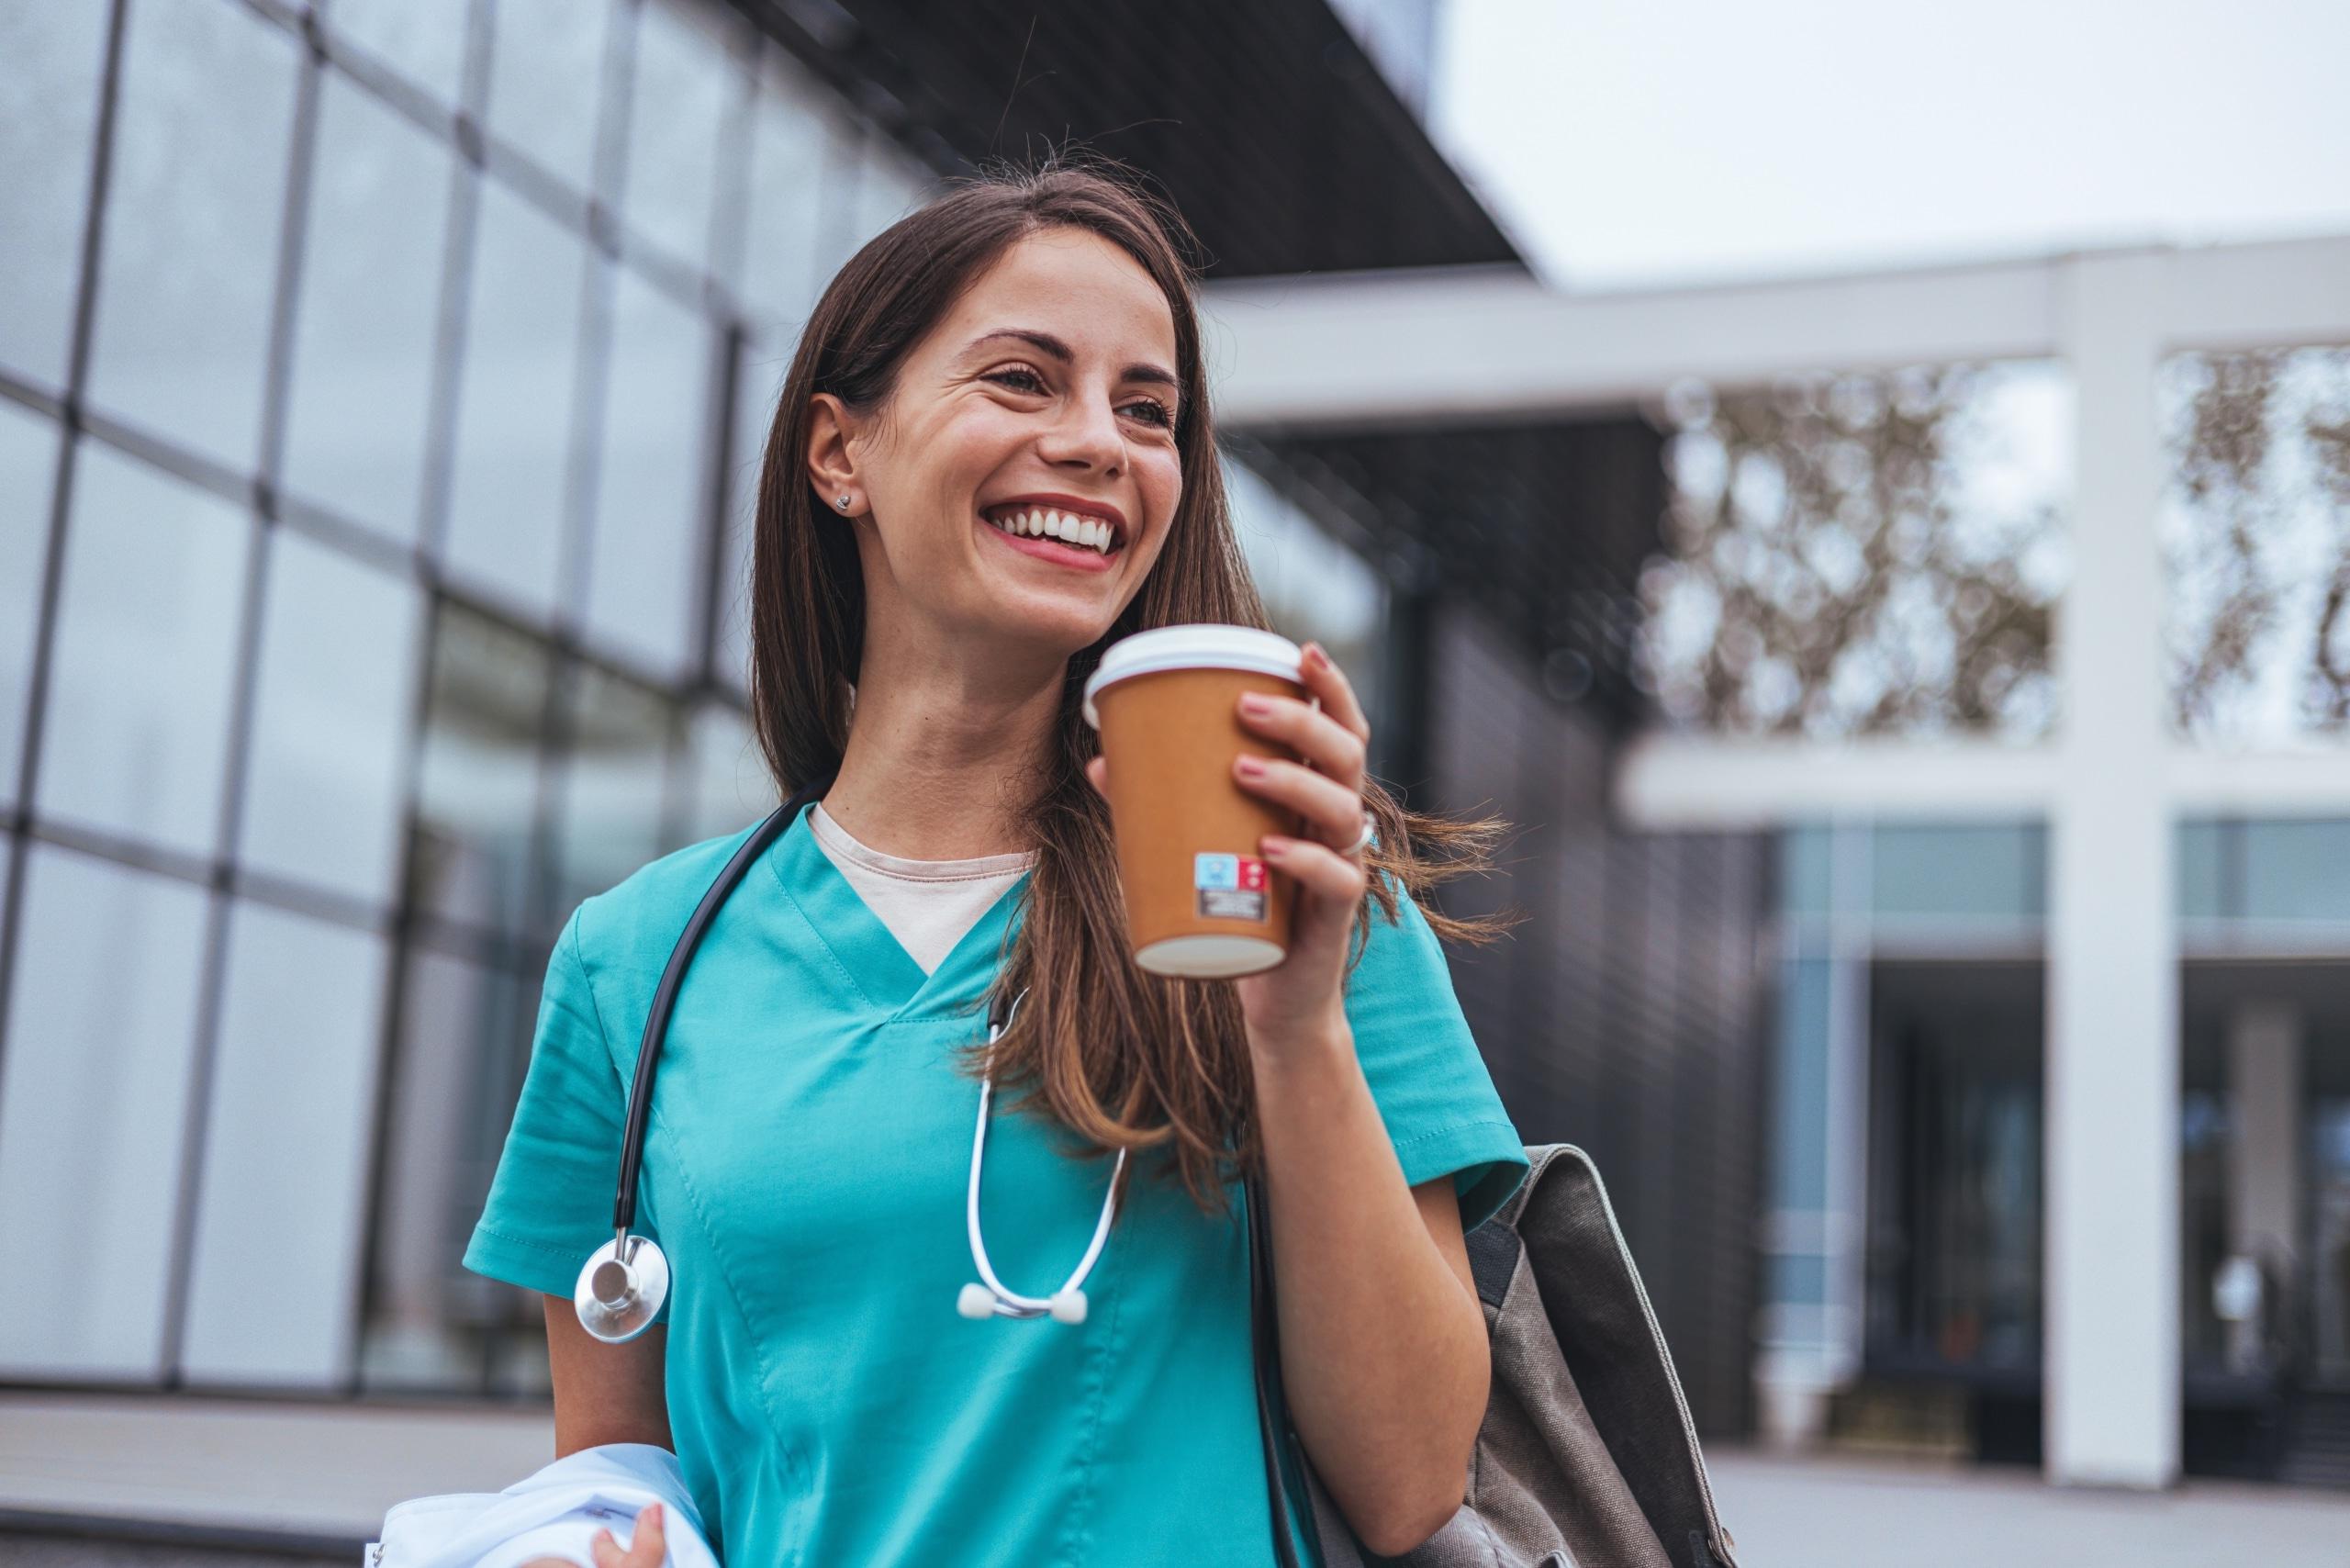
(1799, 1097)
(93, 1105)
(146, 654)
(546, 67)
(27, 474)
(514, 412)
(424, 40)
(1806, 887)
(2297, 870)
(758, 381)
(888, 185)
(684, 78)
(731, 786)
(614, 783)
(193, 209)
(274, 1274)
(479, 786)
(1958, 870)
(643, 583)
(51, 58)
(338, 663)
(464, 1039)
(1314, 589)
(365, 327)
(797, 148)
(2202, 883)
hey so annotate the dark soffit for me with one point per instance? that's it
(1276, 137)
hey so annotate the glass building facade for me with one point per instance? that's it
(381, 386)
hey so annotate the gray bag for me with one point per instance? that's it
(1587, 1457)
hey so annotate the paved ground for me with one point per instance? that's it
(246, 1471)
(1857, 1513)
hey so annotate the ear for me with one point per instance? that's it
(832, 467)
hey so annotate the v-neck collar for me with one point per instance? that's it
(875, 963)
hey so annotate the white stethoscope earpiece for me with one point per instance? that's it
(988, 1297)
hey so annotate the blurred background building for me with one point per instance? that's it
(1921, 697)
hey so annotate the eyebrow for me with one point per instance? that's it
(1051, 346)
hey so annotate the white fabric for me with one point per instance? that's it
(926, 904)
(555, 1512)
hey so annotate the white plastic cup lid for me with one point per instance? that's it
(1205, 644)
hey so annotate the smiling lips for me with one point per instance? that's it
(1073, 537)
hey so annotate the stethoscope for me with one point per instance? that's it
(624, 1282)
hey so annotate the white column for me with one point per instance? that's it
(2112, 1382)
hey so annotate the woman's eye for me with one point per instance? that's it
(1152, 411)
(1030, 380)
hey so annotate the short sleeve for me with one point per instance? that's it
(551, 1202)
(1431, 1086)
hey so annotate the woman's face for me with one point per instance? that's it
(1045, 400)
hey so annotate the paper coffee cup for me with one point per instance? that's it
(1201, 900)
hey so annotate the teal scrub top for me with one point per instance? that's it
(806, 1171)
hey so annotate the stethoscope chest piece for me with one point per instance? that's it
(621, 1289)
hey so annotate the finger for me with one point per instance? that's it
(1324, 679)
(607, 1551)
(1329, 808)
(1319, 869)
(1097, 773)
(645, 1548)
(1316, 735)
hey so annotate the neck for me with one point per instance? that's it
(946, 751)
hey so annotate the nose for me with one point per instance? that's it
(1085, 436)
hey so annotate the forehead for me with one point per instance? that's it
(1075, 286)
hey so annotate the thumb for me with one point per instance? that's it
(1097, 772)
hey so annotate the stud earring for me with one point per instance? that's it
(842, 503)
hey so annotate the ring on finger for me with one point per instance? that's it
(1362, 840)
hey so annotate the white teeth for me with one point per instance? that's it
(1044, 522)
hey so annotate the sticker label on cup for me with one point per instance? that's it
(1229, 886)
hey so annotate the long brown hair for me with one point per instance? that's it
(1122, 1057)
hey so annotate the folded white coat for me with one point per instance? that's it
(554, 1513)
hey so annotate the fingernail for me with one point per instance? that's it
(1251, 767)
(1315, 654)
(1274, 848)
(1255, 703)
(652, 1515)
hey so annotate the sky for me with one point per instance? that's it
(1627, 143)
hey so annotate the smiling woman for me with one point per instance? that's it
(992, 457)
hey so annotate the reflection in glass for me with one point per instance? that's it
(50, 60)
(139, 691)
(338, 660)
(193, 206)
(546, 66)
(464, 1039)
(684, 80)
(644, 581)
(514, 411)
(614, 783)
(28, 469)
(424, 40)
(92, 1090)
(1864, 553)
(2256, 545)
(1314, 589)
(477, 792)
(364, 329)
(273, 1276)
(799, 151)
